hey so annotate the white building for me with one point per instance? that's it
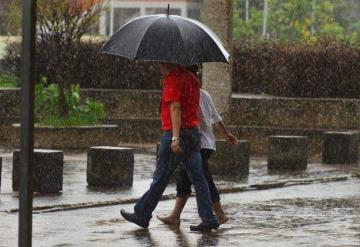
(117, 12)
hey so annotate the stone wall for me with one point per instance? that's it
(252, 118)
(258, 137)
(245, 110)
(294, 112)
(118, 103)
(9, 114)
(127, 103)
(136, 113)
(67, 137)
(9, 103)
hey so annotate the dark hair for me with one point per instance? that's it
(194, 69)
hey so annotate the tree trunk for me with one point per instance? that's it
(63, 111)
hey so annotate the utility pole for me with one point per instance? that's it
(112, 15)
(313, 17)
(265, 16)
(246, 10)
(27, 123)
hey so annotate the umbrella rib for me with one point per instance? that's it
(138, 18)
(103, 49)
(208, 31)
(181, 34)
(142, 39)
(144, 33)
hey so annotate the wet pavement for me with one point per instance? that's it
(320, 212)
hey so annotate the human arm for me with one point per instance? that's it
(216, 120)
(172, 97)
(175, 111)
(229, 137)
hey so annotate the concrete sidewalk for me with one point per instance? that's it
(76, 194)
(319, 207)
(321, 214)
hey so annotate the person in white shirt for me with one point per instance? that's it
(209, 118)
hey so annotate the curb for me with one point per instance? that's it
(235, 189)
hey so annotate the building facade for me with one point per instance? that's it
(118, 12)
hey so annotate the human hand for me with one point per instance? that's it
(175, 147)
(161, 82)
(231, 139)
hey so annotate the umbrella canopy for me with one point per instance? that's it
(167, 38)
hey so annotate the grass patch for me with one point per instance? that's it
(9, 81)
(57, 121)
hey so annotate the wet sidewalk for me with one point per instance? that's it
(319, 207)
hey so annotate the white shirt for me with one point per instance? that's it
(208, 117)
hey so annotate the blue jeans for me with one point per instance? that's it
(166, 163)
(183, 182)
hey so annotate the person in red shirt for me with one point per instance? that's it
(180, 143)
(209, 117)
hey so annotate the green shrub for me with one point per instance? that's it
(7, 80)
(83, 64)
(326, 68)
(81, 112)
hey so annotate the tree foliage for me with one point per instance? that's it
(60, 25)
(297, 19)
(63, 19)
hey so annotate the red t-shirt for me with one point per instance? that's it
(181, 86)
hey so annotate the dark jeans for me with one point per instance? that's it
(166, 163)
(183, 182)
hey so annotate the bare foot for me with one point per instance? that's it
(170, 220)
(223, 219)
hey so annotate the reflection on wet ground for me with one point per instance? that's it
(317, 214)
(308, 215)
(75, 190)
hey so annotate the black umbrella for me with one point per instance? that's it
(166, 38)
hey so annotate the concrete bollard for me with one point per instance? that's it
(287, 152)
(230, 160)
(47, 170)
(340, 147)
(110, 166)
